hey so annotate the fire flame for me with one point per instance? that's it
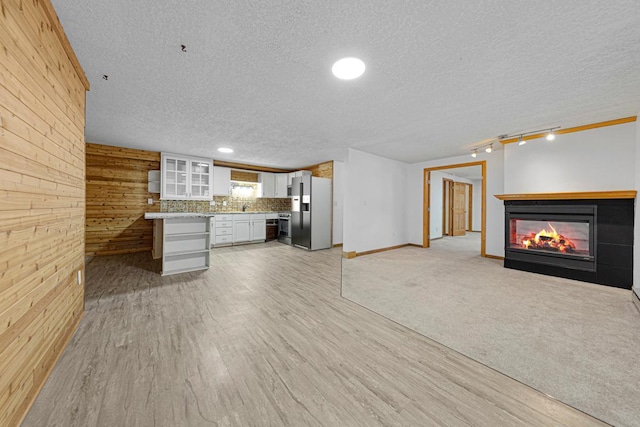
(550, 240)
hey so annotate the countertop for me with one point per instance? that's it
(164, 215)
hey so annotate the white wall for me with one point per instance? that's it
(338, 198)
(593, 160)
(374, 202)
(495, 208)
(477, 206)
(435, 201)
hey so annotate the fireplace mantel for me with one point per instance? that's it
(585, 195)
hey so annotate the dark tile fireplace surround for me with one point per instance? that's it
(583, 239)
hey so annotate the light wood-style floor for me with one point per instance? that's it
(264, 338)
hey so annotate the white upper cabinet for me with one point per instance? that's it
(267, 187)
(174, 177)
(281, 185)
(185, 178)
(221, 181)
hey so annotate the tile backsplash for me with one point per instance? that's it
(234, 204)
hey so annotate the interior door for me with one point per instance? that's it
(458, 210)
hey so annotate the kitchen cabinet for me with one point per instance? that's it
(258, 227)
(296, 174)
(241, 228)
(281, 180)
(267, 184)
(221, 181)
(185, 178)
(153, 181)
(249, 228)
(223, 230)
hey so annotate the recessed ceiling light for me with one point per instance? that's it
(225, 150)
(348, 68)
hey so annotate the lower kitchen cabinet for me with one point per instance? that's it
(241, 228)
(258, 227)
(223, 230)
(249, 228)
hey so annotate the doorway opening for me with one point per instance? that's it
(458, 196)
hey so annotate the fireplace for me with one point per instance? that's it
(583, 239)
(559, 235)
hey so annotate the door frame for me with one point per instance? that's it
(469, 206)
(426, 217)
(446, 206)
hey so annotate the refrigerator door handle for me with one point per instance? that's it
(301, 211)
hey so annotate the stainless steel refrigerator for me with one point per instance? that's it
(311, 212)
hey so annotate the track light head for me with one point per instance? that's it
(489, 148)
(474, 154)
(521, 141)
(551, 136)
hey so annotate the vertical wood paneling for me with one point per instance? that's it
(117, 199)
(322, 170)
(42, 194)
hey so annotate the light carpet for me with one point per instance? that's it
(578, 342)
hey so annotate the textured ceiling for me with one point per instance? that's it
(256, 76)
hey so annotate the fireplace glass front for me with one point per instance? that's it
(563, 236)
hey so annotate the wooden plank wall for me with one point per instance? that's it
(244, 176)
(42, 194)
(322, 170)
(117, 199)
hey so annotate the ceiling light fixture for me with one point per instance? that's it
(551, 136)
(534, 134)
(487, 146)
(348, 68)
(225, 150)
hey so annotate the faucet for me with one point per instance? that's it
(244, 208)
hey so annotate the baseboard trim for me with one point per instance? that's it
(375, 251)
(337, 245)
(501, 258)
(635, 298)
(70, 335)
(414, 245)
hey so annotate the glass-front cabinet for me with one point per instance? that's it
(186, 178)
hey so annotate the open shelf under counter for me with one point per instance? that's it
(185, 243)
(177, 254)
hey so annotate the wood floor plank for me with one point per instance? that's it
(264, 338)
